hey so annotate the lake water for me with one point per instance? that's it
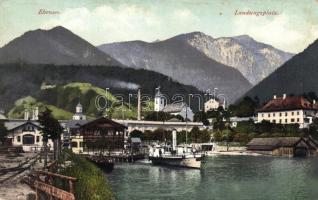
(222, 177)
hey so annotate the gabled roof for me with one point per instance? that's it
(102, 122)
(272, 143)
(288, 103)
(2, 116)
(75, 123)
(12, 125)
(175, 107)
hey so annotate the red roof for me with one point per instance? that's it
(288, 103)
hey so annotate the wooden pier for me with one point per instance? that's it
(107, 162)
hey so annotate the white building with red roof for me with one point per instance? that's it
(288, 110)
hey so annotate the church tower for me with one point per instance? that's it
(159, 101)
(79, 113)
(79, 108)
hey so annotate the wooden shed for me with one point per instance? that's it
(283, 146)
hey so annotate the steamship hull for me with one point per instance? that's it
(185, 162)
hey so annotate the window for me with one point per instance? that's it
(273, 114)
(19, 139)
(285, 120)
(262, 115)
(74, 144)
(280, 114)
(292, 120)
(280, 121)
(297, 112)
(269, 115)
(297, 119)
(285, 113)
(37, 138)
(292, 113)
(274, 121)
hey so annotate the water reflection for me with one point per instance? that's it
(222, 177)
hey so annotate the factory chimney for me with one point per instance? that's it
(26, 114)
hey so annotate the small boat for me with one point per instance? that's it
(177, 156)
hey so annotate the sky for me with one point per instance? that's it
(292, 28)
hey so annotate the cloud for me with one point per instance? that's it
(278, 31)
(125, 22)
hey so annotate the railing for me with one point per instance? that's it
(44, 182)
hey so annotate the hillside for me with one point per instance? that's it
(62, 100)
(29, 103)
(297, 76)
(21, 80)
(181, 61)
(57, 46)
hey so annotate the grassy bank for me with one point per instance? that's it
(91, 182)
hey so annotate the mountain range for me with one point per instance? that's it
(233, 65)
(297, 76)
(182, 62)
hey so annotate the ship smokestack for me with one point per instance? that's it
(174, 140)
(139, 105)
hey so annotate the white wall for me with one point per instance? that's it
(286, 117)
(17, 139)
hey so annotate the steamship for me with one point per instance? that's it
(176, 156)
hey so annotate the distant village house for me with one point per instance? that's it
(288, 110)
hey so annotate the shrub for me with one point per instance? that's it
(91, 182)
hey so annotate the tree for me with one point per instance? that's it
(136, 133)
(246, 107)
(195, 132)
(158, 116)
(51, 129)
(205, 136)
(3, 132)
(245, 126)
(313, 128)
(201, 117)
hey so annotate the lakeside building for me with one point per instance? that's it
(142, 125)
(284, 146)
(179, 108)
(103, 133)
(288, 110)
(25, 134)
(71, 136)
